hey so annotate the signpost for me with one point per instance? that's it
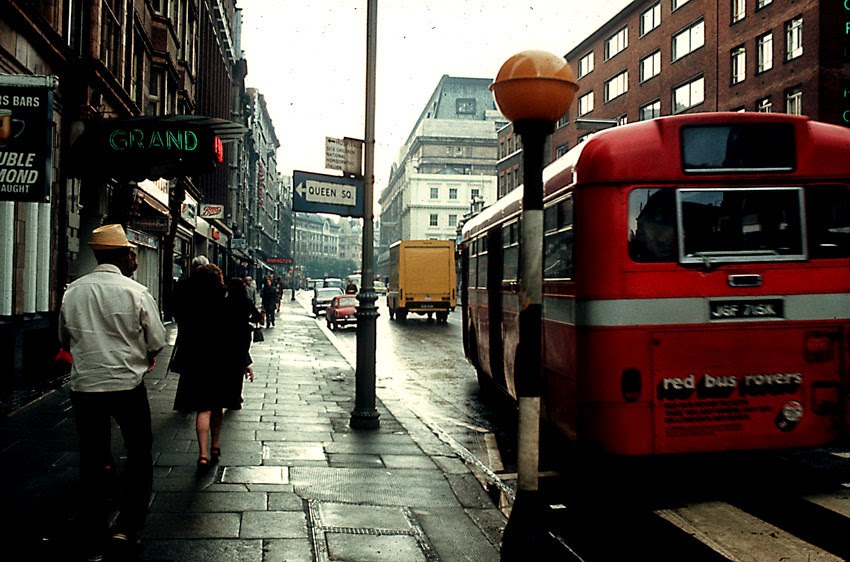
(322, 193)
(344, 154)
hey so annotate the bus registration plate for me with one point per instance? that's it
(745, 309)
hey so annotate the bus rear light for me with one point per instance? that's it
(826, 398)
(630, 385)
(818, 347)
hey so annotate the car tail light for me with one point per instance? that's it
(630, 384)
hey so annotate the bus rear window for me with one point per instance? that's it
(736, 225)
(717, 225)
(742, 147)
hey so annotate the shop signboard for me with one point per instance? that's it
(26, 131)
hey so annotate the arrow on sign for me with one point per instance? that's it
(314, 191)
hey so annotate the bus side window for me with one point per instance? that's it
(828, 220)
(558, 240)
(652, 225)
(510, 251)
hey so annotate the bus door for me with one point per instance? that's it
(494, 306)
(464, 295)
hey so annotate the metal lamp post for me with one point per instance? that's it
(365, 415)
(533, 89)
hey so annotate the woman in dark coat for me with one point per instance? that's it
(212, 354)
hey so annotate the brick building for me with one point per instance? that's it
(168, 66)
(664, 57)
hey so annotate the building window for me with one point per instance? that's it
(585, 64)
(137, 88)
(650, 66)
(622, 120)
(794, 38)
(452, 193)
(650, 110)
(794, 101)
(739, 64)
(617, 86)
(762, 3)
(689, 40)
(452, 220)
(650, 19)
(688, 95)
(111, 32)
(561, 150)
(764, 105)
(676, 4)
(617, 43)
(435, 193)
(739, 10)
(465, 106)
(474, 193)
(155, 92)
(585, 104)
(433, 220)
(564, 121)
(764, 53)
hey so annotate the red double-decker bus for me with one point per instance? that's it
(696, 286)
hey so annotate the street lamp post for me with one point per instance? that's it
(533, 89)
(365, 415)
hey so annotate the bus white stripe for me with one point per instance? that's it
(692, 310)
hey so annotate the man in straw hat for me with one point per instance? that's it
(111, 326)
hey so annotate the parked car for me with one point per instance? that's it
(322, 297)
(381, 288)
(341, 312)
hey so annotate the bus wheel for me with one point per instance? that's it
(442, 317)
(402, 314)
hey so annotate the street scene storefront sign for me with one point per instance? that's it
(25, 143)
(146, 147)
(212, 211)
(279, 261)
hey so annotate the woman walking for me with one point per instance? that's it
(212, 354)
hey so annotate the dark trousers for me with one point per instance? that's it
(270, 310)
(93, 412)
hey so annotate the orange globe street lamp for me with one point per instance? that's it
(533, 89)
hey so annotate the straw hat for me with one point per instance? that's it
(109, 237)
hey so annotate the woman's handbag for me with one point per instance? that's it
(258, 335)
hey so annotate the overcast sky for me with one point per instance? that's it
(308, 58)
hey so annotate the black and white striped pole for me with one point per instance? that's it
(533, 89)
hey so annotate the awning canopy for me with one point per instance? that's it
(152, 147)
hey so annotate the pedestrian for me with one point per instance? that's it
(111, 326)
(351, 288)
(253, 293)
(211, 381)
(277, 282)
(269, 297)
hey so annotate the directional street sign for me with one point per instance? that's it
(322, 193)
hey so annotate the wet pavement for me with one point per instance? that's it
(294, 481)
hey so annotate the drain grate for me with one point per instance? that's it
(319, 532)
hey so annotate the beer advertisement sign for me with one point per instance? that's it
(25, 143)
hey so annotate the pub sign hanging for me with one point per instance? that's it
(25, 143)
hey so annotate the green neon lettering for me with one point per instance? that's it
(190, 142)
(118, 140)
(173, 140)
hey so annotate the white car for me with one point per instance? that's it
(322, 298)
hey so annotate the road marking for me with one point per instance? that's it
(739, 536)
(837, 502)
